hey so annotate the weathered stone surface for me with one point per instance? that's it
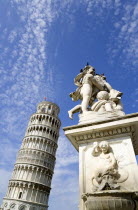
(116, 169)
(114, 200)
(105, 129)
(107, 173)
(92, 117)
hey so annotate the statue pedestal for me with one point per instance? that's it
(114, 200)
(121, 133)
(92, 117)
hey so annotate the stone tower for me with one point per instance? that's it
(30, 184)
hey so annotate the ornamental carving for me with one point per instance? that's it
(107, 174)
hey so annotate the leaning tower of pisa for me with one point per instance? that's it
(30, 184)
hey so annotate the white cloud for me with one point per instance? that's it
(122, 42)
(98, 7)
(126, 41)
(22, 69)
(12, 36)
(23, 74)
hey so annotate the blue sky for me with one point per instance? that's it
(43, 46)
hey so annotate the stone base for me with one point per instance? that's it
(93, 117)
(110, 200)
(121, 133)
(17, 204)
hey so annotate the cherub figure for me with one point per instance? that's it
(92, 86)
(108, 102)
(106, 173)
(89, 84)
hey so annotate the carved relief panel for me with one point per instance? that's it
(107, 165)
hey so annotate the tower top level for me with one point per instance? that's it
(46, 107)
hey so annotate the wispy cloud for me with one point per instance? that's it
(23, 58)
(123, 37)
(122, 41)
(27, 57)
(125, 44)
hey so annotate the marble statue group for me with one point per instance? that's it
(95, 93)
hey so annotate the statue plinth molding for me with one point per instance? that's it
(93, 117)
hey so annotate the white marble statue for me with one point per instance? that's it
(106, 175)
(108, 101)
(91, 87)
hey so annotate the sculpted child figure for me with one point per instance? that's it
(107, 161)
(89, 85)
(84, 92)
(106, 172)
(108, 101)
